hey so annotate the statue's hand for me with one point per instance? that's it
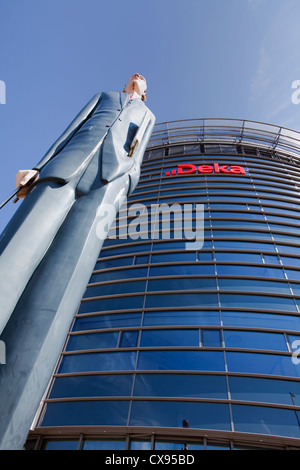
(24, 179)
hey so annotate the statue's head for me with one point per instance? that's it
(136, 83)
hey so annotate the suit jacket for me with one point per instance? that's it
(104, 130)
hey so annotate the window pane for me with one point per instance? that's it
(200, 317)
(115, 288)
(265, 421)
(112, 263)
(271, 259)
(181, 300)
(90, 413)
(119, 303)
(289, 261)
(174, 414)
(177, 446)
(262, 364)
(107, 321)
(98, 362)
(140, 445)
(201, 269)
(239, 257)
(217, 447)
(93, 341)
(181, 360)
(185, 385)
(264, 390)
(173, 257)
(93, 444)
(61, 445)
(255, 286)
(261, 320)
(92, 386)
(231, 270)
(255, 340)
(170, 338)
(129, 339)
(114, 275)
(258, 301)
(211, 338)
(182, 284)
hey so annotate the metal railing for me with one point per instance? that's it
(227, 131)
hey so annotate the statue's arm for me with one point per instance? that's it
(67, 135)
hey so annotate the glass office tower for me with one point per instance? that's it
(191, 348)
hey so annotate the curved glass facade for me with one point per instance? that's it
(175, 348)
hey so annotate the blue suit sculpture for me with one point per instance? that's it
(49, 248)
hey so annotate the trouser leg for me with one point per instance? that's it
(36, 332)
(27, 238)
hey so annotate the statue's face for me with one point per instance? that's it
(136, 83)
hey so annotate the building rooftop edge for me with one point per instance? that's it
(227, 131)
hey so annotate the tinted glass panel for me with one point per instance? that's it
(262, 320)
(174, 414)
(180, 300)
(115, 288)
(181, 360)
(201, 269)
(265, 421)
(239, 257)
(92, 386)
(182, 318)
(129, 339)
(61, 445)
(86, 413)
(93, 444)
(255, 286)
(211, 338)
(264, 390)
(98, 362)
(93, 341)
(172, 385)
(181, 284)
(258, 301)
(118, 274)
(107, 321)
(262, 364)
(255, 340)
(118, 303)
(170, 338)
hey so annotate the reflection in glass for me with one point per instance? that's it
(264, 390)
(255, 340)
(262, 364)
(93, 341)
(86, 413)
(113, 320)
(180, 414)
(185, 385)
(61, 445)
(95, 444)
(185, 317)
(181, 360)
(98, 362)
(170, 338)
(92, 386)
(265, 420)
(261, 320)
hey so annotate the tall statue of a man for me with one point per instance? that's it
(95, 161)
(50, 247)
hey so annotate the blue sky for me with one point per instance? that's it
(202, 58)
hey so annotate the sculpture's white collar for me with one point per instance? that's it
(134, 95)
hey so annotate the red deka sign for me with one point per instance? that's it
(188, 169)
